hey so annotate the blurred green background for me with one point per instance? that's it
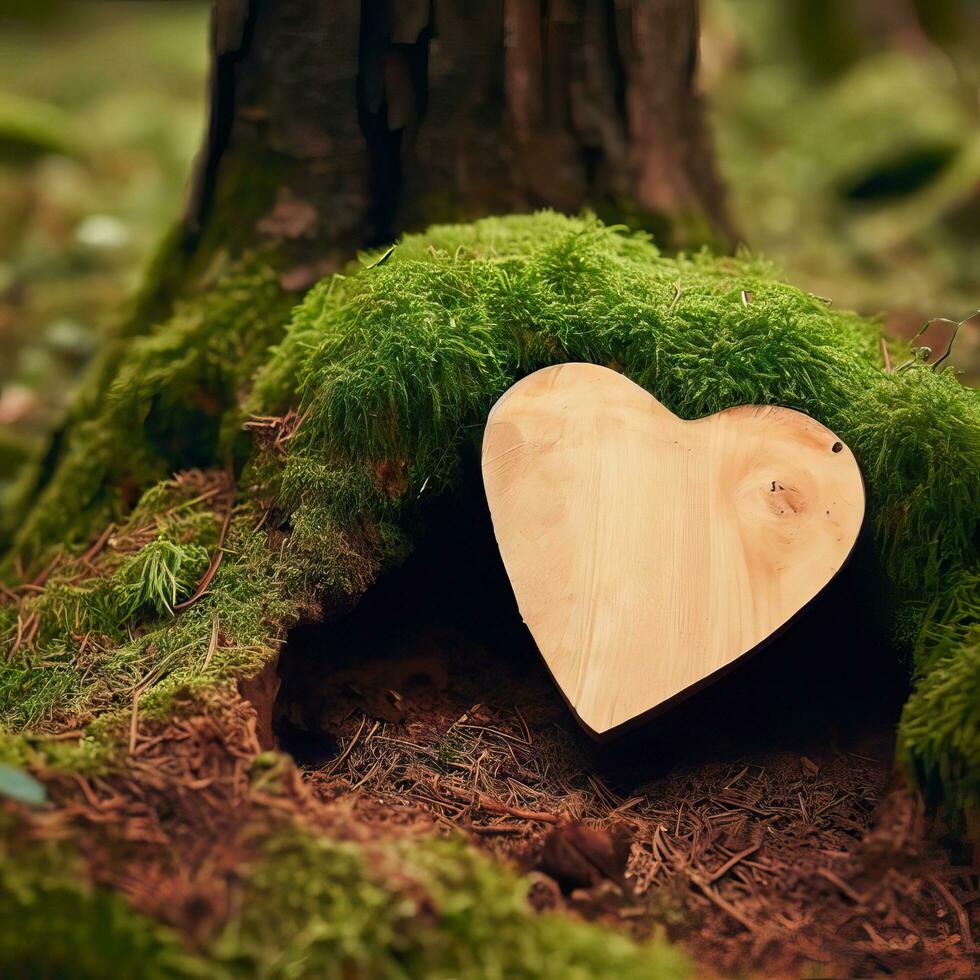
(847, 132)
(101, 113)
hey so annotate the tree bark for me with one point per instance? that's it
(336, 125)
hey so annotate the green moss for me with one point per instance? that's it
(161, 573)
(54, 923)
(115, 632)
(940, 726)
(314, 907)
(245, 193)
(160, 281)
(154, 404)
(89, 754)
(147, 583)
(431, 909)
(397, 362)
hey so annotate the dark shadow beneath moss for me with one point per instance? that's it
(443, 633)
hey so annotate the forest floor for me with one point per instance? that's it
(758, 824)
(757, 861)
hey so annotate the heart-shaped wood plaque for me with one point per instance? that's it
(648, 554)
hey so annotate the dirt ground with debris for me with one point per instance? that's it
(758, 862)
(759, 823)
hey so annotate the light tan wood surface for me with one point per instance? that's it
(648, 553)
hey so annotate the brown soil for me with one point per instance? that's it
(757, 861)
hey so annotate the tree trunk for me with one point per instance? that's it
(338, 125)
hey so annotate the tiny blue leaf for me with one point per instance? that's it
(21, 786)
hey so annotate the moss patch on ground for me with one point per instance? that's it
(314, 907)
(57, 924)
(455, 914)
(362, 409)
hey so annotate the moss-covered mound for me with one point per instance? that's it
(355, 421)
(311, 907)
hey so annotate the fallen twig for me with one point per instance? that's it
(134, 718)
(731, 862)
(723, 904)
(98, 545)
(494, 807)
(961, 916)
(347, 750)
(213, 567)
(212, 643)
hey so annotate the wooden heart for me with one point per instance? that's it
(648, 554)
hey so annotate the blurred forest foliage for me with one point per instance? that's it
(847, 132)
(101, 112)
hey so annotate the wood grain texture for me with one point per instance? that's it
(648, 553)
